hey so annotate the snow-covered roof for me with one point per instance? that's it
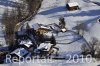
(44, 27)
(36, 26)
(47, 46)
(48, 34)
(20, 52)
(73, 4)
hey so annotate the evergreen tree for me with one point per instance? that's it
(53, 41)
(62, 23)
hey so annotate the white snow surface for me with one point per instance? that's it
(50, 12)
(50, 62)
(73, 4)
(96, 0)
(89, 12)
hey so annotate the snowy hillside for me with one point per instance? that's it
(95, 0)
(52, 10)
(49, 13)
(89, 12)
(52, 63)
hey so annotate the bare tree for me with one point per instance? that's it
(9, 20)
(32, 5)
(21, 13)
(95, 48)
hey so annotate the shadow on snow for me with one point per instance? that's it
(8, 3)
(54, 10)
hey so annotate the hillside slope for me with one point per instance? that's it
(50, 12)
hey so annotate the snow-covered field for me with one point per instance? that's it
(95, 0)
(89, 12)
(49, 62)
(50, 12)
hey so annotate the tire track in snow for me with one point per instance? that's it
(76, 39)
(69, 38)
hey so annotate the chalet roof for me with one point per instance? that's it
(20, 52)
(73, 4)
(36, 26)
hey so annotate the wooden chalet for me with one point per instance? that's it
(42, 30)
(72, 6)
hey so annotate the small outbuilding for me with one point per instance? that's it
(72, 6)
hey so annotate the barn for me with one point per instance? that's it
(72, 6)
